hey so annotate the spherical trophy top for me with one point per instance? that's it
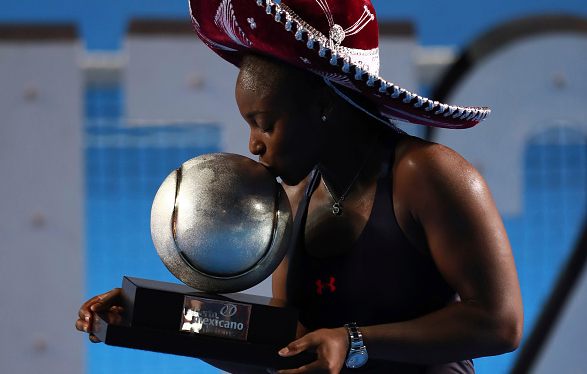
(221, 223)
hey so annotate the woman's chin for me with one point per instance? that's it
(292, 180)
(288, 182)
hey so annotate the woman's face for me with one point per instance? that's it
(285, 122)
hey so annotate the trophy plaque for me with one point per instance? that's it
(176, 319)
(221, 224)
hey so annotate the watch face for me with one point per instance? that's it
(356, 359)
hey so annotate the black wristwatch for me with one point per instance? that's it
(357, 355)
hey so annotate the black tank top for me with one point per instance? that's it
(381, 279)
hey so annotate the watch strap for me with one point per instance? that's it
(356, 346)
(355, 336)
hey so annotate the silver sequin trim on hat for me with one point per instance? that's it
(365, 62)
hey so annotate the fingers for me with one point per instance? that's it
(94, 339)
(297, 346)
(331, 346)
(84, 312)
(82, 325)
(294, 348)
(102, 303)
(107, 300)
(310, 341)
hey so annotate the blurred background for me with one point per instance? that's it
(100, 101)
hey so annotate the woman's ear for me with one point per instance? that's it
(324, 98)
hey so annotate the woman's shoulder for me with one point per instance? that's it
(427, 174)
(419, 158)
(432, 182)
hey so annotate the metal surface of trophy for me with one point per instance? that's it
(220, 223)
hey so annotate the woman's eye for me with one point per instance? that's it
(264, 125)
(266, 128)
(262, 121)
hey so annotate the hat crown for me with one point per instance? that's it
(335, 39)
(349, 28)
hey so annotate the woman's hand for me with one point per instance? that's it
(331, 346)
(107, 304)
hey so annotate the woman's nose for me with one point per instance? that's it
(256, 146)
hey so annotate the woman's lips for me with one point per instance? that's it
(270, 168)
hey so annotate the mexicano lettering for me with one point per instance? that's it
(195, 320)
(215, 317)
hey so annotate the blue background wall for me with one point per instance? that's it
(456, 22)
(102, 26)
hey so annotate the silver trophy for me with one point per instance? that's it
(221, 223)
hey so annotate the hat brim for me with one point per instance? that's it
(285, 36)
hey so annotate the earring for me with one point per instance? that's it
(324, 118)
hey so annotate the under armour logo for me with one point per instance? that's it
(322, 286)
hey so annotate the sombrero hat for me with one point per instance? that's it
(338, 40)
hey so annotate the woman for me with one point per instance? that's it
(401, 263)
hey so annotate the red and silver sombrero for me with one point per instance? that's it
(338, 40)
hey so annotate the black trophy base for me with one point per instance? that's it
(154, 314)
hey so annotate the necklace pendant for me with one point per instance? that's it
(336, 209)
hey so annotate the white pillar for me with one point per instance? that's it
(41, 200)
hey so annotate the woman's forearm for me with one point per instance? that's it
(463, 330)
